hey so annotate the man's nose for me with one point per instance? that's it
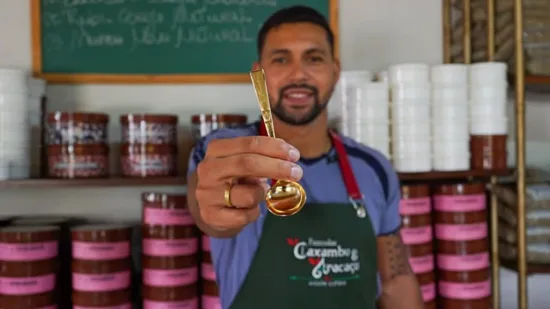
(298, 73)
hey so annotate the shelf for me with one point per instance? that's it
(537, 80)
(468, 175)
(97, 182)
(531, 268)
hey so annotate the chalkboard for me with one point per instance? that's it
(152, 41)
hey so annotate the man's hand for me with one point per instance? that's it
(244, 163)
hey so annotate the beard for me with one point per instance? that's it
(289, 117)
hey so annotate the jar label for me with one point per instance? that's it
(415, 206)
(171, 247)
(170, 277)
(100, 250)
(182, 304)
(123, 306)
(35, 251)
(27, 285)
(211, 302)
(207, 272)
(101, 282)
(467, 262)
(159, 216)
(461, 232)
(422, 264)
(460, 203)
(205, 243)
(416, 235)
(428, 292)
(475, 290)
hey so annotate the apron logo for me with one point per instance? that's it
(330, 264)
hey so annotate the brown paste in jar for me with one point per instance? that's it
(203, 124)
(64, 273)
(76, 128)
(78, 161)
(149, 129)
(170, 252)
(148, 160)
(488, 152)
(28, 266)
(210, 293)
(101, 266)
(463, 247)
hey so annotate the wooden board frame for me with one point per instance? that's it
(84, 78)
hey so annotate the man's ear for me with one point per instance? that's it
(337, 69)
(256, 66)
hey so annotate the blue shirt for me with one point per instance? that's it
(232, 257)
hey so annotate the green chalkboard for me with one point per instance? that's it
(152, 40)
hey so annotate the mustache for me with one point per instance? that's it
(313, 89)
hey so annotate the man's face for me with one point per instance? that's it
(300, 71)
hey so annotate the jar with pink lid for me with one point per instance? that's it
(170, 252)
(462, 258)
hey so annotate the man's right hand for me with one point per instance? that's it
(244, 163)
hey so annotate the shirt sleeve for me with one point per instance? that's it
(196, 156)
(391, 220)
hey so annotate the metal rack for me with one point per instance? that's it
(519, 80)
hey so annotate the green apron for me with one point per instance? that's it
(322, 257)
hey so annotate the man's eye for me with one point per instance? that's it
(279, 60)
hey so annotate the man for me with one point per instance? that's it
(330, 253)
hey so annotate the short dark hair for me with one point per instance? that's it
(292, 15)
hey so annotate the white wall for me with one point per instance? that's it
(373, 34)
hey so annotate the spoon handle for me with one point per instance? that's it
(260, 87)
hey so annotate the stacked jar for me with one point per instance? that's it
(210, 293)
(203, 124)
(462, 246)
(77, 145)
(170, 253)
(149, 145)
(101, 266)
(63, 281)
(488, 115)
(416, 232)
(28, 266)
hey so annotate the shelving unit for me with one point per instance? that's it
(519, 80)
(89, 183)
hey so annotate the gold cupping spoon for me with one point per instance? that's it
(284, 198)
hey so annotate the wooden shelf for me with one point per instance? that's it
(531, 268)
(468, 175)
(97, 182)
(537, 80)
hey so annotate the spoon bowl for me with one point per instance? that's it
(285, 198)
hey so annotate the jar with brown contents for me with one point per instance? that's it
(28, 266)
(489, 152)
(63, 282)
(210, 294)
(148, 160)
(416, 232)
(78, 161)
(203, 124)
(463, 248)
(149, 129)
(170, 248)
(101, 266)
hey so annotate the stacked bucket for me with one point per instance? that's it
(14, 125)
(344, 92)
(410, 113)
(368, 114)
(450, 137)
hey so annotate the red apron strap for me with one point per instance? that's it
(350, 181)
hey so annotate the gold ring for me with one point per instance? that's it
(227, 195)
